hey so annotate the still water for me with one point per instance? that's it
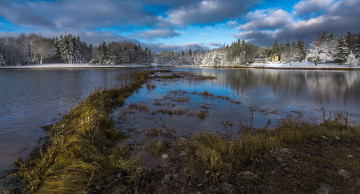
(30, 99)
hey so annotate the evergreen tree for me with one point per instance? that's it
(2, 60)
(190, 52)
(70, 49)
(349, 41)
(342, 50)
(63, 49)
(301, 50)
(330, 47)
(356, 52)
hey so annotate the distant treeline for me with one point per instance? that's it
(36, 49)
(324, 49)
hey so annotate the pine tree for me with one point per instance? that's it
(2, 60)
(63, 49)
(356, 52)
(342, 50)
(301, 50)
(349, 41)
(190, 52)
(70, 49)
(330, 47)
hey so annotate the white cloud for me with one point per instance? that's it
(232, 24)
(157, 33)
(266, 19)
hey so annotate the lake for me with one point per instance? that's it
(30, 99)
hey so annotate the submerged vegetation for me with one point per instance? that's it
(84, 153)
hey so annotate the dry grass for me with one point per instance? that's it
(78, 154)
(202, 114)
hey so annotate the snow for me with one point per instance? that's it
(69, 66)
(302, 65)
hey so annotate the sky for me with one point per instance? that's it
(180, 24)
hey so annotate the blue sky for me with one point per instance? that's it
(180, 24)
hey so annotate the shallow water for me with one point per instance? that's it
(266, 97)
(30, 99)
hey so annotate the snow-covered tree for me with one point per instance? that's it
(351, 60)
(342, 50)
(314, 53)
(2, 60)
(356, 52)
(330, 47)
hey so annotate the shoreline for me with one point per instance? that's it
(253, 66)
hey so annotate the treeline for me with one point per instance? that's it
(289, 52)
(116, 53)
(36, 49)
(237, 53)
(343, 49)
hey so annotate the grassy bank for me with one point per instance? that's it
(84, 154)
(80, 149)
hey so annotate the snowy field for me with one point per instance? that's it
(303, 65)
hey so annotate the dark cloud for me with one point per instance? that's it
(207, 12)
(31, 18)
(311, 6)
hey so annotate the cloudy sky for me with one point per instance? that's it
(176, 24)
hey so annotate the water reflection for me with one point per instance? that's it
(335, 90)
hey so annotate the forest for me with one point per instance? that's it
(36, 49)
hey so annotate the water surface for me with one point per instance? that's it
(30, 99)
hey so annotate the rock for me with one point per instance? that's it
(98, 187)
(350, 156)
(337, 137)
(325, 189)
(118, 175)
(248, 175)
(164, 156)
(286, 169)
(175, 176)
(344, 174)
(324, 137)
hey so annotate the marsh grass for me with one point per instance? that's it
(202, 114)
(80, 149)
(169, 111)
(137, 106)
(150, 86)
(224, 157)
